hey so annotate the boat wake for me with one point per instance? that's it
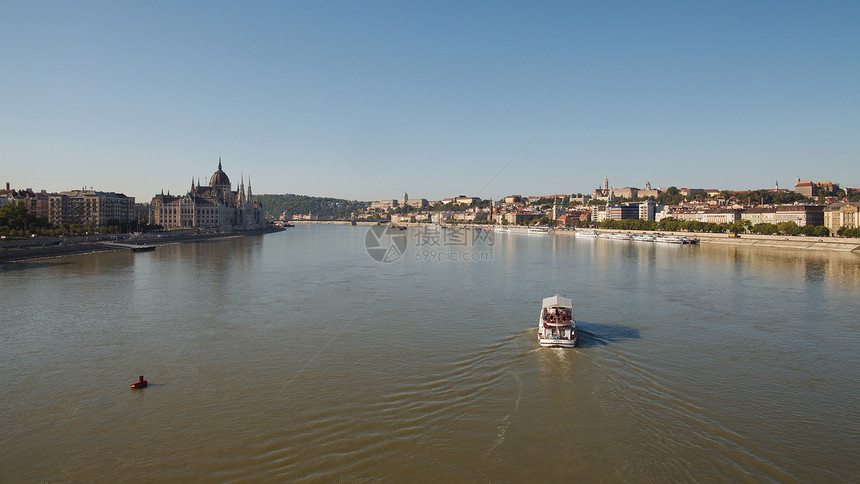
(657, 402)
(560, 353)
(505, 421)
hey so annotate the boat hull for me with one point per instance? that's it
(557, 343)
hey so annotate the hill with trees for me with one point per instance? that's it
(324, 208)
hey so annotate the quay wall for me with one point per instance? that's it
(832, 244)
(835, 244)
(24, 249)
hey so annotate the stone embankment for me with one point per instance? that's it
(24, 249)
(832, 244)
(835, 244)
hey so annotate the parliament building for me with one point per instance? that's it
(215, 206)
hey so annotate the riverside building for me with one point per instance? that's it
(90, 208)
(801, 215)
(214, 206)
(842, 214)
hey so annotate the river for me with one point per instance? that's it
(299, 356)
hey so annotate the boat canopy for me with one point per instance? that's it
(557, 302)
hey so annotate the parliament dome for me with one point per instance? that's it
(219, 178)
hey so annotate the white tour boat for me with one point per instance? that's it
(643, 238)
(586, 233)
(668, 239)
(556, 326)
(538, 230)
(621, 236)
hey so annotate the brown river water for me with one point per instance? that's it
(298, 356)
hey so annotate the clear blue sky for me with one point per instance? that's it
(365, 100)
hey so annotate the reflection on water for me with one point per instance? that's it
(835, 267)
(297, 356)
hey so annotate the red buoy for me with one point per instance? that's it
(139, 384)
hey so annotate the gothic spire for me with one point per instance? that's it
(240, 196)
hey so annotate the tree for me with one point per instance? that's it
(848, 232)
(764, 229)
(672, 196)
(788, 228)
(16, 220)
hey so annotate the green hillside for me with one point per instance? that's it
(323, 207)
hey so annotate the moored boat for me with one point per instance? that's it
(620, 236)
(587, 233)
(643, 238)
(538, 230)
(556, 326)
(668, 239)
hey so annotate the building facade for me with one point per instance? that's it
(214, 206)
(599, 213)
(626, 192)
(842, 214)
(624, 212)
(36, 203)
(647, 210)
(706, 215)
(90, 208)
(384, 204)
(649, 192)
(809, 188)
(799, 214)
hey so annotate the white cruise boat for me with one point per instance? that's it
(556, 326)
(620, 236)
(643, 238)
(587, 233)
(668, 239)
(538, 230)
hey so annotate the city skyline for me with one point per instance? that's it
(486, 99)
(199, 181)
